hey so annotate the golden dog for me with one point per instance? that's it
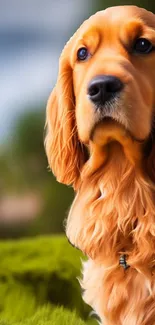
(100, 140)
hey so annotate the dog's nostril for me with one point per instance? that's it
(113, 85)
(94, 90)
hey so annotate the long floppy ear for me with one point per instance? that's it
(64, 151)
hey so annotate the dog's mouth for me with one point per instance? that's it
(108, 137)
(110, 131)
(110, 122)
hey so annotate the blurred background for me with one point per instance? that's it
(33, 34)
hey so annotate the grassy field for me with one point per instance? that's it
(38, 283)
(47, 316)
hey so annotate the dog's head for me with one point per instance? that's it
(105, 91)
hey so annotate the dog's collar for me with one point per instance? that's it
(122, 259)
(123, 263)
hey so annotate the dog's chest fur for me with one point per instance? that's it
(116, 215)
(119, 297)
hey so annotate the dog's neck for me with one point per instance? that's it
(115, 212)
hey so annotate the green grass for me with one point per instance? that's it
(47, 316)
(37, 276)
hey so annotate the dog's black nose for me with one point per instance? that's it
(103, 88)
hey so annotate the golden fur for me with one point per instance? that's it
(107, 163)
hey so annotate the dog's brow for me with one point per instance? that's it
(132, 30)
(90, 36)
(135, 29)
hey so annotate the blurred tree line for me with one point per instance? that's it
(147, 4)
(24, 167)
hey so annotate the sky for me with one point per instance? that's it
(32, 33)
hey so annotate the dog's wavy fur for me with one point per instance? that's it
(114, 209)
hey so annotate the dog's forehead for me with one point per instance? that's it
(112, 18)
(118, 15)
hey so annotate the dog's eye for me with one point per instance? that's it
(82, 54)
(142, 45)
